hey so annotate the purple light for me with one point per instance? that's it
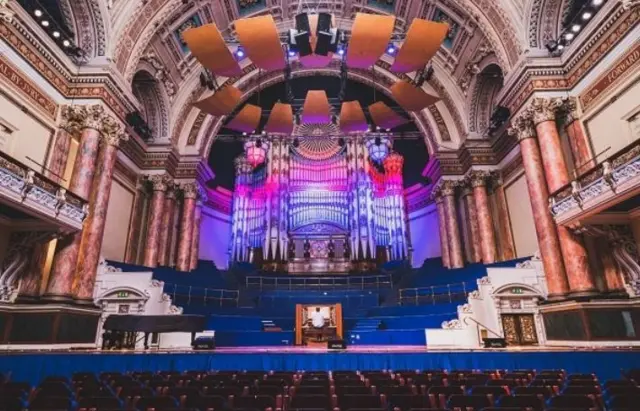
(391, 50)
(341, 52)
(292, 53)
(240, 53)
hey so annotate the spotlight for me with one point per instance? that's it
(56, 34)
(45, 23)
(576, 28)
(597, 2)
(391, 49)
(240, 52)
(66, 43)
(569, 36)
(377, 128)
(586, 15)
(388, 129)
(244, 133)
(560, 46)
(292, 53)
(341, 51)
(38, 12)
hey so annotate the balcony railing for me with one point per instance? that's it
(618, 175)
(209, 297)
(371, 282)
(435, 294)
(24, 187)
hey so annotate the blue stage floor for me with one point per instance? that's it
(33, 367)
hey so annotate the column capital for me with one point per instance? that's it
(478, 178)
(465, 188)
(112, 133)
(522, 127)
(160, 182)
(171, 191)
(545, 109)
(191, 190)
(570, 110)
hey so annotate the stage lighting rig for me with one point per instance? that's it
(299, 39)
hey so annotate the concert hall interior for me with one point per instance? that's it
(232, 190)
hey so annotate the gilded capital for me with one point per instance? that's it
(522, 127)
(161, 182)
(570, 110)
(545, 109)
(112, 133)
(95, 115)
(190, 190)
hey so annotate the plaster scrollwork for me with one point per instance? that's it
(175, 310)
(161, 74)
(629, 4)
(452, 325)
(106, 268)
(484, 281)
(466, 308)
(475, 295)
(5, 13)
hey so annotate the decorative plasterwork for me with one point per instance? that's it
(5, 13)
(27, 88)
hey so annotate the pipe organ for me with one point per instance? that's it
(319, 200)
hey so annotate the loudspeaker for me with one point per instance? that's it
(336, 345)
(204, 343)
(494, 342)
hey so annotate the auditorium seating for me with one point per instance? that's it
(410, 390)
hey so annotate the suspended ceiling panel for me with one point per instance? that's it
(370, 36)
(209, 48)
(247, 119)
(352, 117)
(421, 44)
(316, 108)
(261, 42)
(384, 117)
(410, 97)
(280, 120)
(221, 102)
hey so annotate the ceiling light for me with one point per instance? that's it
(560, 47)
(66, 43)
(586, 15)
(38, 13)
(569, 36)
(576, 28)
(56, 34)
(45, 23)
(597, 2)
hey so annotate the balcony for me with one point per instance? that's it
(610, 185)
(29, 194)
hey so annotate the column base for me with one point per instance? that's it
(57, 298)
(83, 302)
(584, 295)
(554, 298)
(33, 325)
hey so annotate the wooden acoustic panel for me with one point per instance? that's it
(209, 48)
(247, 119)
(370, 36)
(410, 97)
(280, 120)
(315, 60)
(421, 44)
(316, 109)
(352, 117)
(260, 39)
(384, 117)
(221, 102)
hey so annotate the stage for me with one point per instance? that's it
(33, 366)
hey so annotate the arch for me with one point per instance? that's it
(248, 87)
(137, 294)
(529, 290)
(149, 93)
(545, 19)
(87, 18)
(487, 86)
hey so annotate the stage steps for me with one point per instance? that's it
(366, 324)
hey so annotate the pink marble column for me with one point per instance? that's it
(195, 240)
(183, 260)
(174, 238)
(93, 232)
(168, 211)
(160, 184)
(453, 228)
(581, 148)
(135, 228)
(546, 232)
(574, 252)
(485, 220)
(89, 121)
(58, 160)
(474, 228)
(505, 244)
(444, 241)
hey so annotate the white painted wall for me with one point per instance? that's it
(521, 216)
(117, 223)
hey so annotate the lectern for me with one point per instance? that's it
(307, 333)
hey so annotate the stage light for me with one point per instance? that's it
(45, 23)
(38, 13)
(586, 15)
(256, 151)
(66, 43)
(569, 36)
(56, 34)
(597, 2)
(391, 49)
(341, 51)
(560, 46)
(576, 28)
(378, 148)
(240, 52)
(292, 53)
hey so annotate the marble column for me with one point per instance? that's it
(456, 258)
(160, 184)
(548, 242)
(164, 245)
(485, 219)
(581, 149)
(444, 241)
(35, 251)
(88, 120)
(574, 251)
(59, 156)
(474, 229)
(195, 240)
(505, 237)
(135, 228)
(93, 232)
(183, 260)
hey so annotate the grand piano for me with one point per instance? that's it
(121, 331)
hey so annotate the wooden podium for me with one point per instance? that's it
(307, 334)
